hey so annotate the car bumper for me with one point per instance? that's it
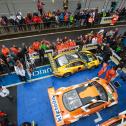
(55, 107)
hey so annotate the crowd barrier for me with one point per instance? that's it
(27, 27)
(106, 20)
(67, 49)
(35, 55)
(51, 24)
(89, 47)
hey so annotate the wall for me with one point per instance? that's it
(12, 6)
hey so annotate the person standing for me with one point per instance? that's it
(5, 51)
(90, 21)
(111, 73)
(106, 53)
(103, 69)
(4, 68)
(19, 69)
(40, 7)
(65, 4)
(94, 40)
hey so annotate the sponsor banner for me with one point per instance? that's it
(106, 20)
(35, 55)
(56, 109)
(39, 72)
(90, 47)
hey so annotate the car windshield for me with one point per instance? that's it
(83, 56)
(61, 61)
(72, 56)
(87, 57)
(65, 59)
(71, 100)
(91, 57)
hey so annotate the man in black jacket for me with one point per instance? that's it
(106, 53)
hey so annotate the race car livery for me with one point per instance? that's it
(71, 103)
(70, 62)
(119, 120)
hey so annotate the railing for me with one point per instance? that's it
(46, 25)
(26, 27)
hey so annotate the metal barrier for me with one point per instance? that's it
(26, 27)
(35, 55)
(46, 25)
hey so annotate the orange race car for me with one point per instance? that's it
(119, 120)
(71, 103)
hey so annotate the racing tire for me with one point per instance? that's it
(67, 74)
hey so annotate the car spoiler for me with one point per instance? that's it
(55, 107)
(52, 62)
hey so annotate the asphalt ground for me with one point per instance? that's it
(10, 106)
(28, 40)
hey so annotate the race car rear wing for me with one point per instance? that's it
(52, 62)
(55, 107)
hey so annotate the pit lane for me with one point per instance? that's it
(32, 98)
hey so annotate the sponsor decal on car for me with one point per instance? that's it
(58, 115)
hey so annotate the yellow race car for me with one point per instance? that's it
(67, 63)
(69, 104)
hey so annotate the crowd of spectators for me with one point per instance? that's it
(15, 56)
(9, 56)
(110, 38)
(56, 18)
